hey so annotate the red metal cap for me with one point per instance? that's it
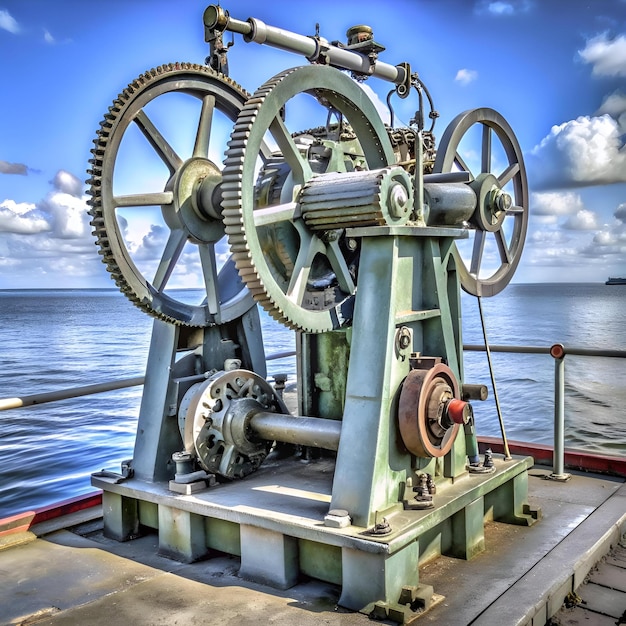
(459, 411)
(557, 351)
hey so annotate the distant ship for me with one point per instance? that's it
(616, 281)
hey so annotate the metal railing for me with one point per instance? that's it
(557, 351)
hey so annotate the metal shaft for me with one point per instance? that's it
(216, 19)
(505, 443)
(306, 431)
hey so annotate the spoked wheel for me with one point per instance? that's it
(156, 202)
(290, 248)
(489, 259)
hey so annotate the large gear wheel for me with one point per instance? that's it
(487, 262)
(173, 180)
(313, 289)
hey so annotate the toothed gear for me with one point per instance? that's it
(189, 201)
(314, 291)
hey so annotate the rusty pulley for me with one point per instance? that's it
(430, 411)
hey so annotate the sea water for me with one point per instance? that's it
(53, 340)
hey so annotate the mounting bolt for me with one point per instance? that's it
(404, 338)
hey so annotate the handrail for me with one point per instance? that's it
(557, 351)
(88, 390)
(66, 394)
(620, 354)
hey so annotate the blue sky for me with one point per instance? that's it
(555, 69)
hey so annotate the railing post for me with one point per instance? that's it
(557, 351)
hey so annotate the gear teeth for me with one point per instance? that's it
(233, 210)
(98, 211)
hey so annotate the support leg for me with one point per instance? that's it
(268, 557)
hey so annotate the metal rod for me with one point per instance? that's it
(558, 457)
(617, 354)
(216, 19)
(306, 431)
(505, 443)
(77, 392)
(65, 394)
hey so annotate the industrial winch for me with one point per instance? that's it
(358, 236)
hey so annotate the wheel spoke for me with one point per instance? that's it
(485, 165)
(299, 165)
(201, 146)
(505, 253)
(477, 252)
(508, 174)
(515, 210)
(340, 267)
(209, 271)
(158, 142)
(462, 165)
(272, 215)
(171, 254)
(309, 247)
(144, 199)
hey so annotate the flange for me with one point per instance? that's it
(427, 427)
(214, 420)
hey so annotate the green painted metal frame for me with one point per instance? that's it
(407, 279)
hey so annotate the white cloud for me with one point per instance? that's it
(69, 215)
(22, 218)
(556, 204)
(503, 8)
(620, 213)
(607, 243)
(13, 168)
(614, 104)
(583, 220)
(547, 237)
(8, 22)
(381, 107)
(584, 151)
(67, 183)
(151, 244)
(49, 243)
(608, 56)
(465, 76)
(47, 37)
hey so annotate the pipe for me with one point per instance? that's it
(557, 351)
(316, 432)
(65, 394)
(449, 204)
(217, 19)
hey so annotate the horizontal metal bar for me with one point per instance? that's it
(618, 354)
(65, 394)
(311, 47)
(87, 390)
(306, 431)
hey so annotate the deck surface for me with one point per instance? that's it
(77, 576)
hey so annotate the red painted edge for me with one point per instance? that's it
(23, 521)
(573, 459)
